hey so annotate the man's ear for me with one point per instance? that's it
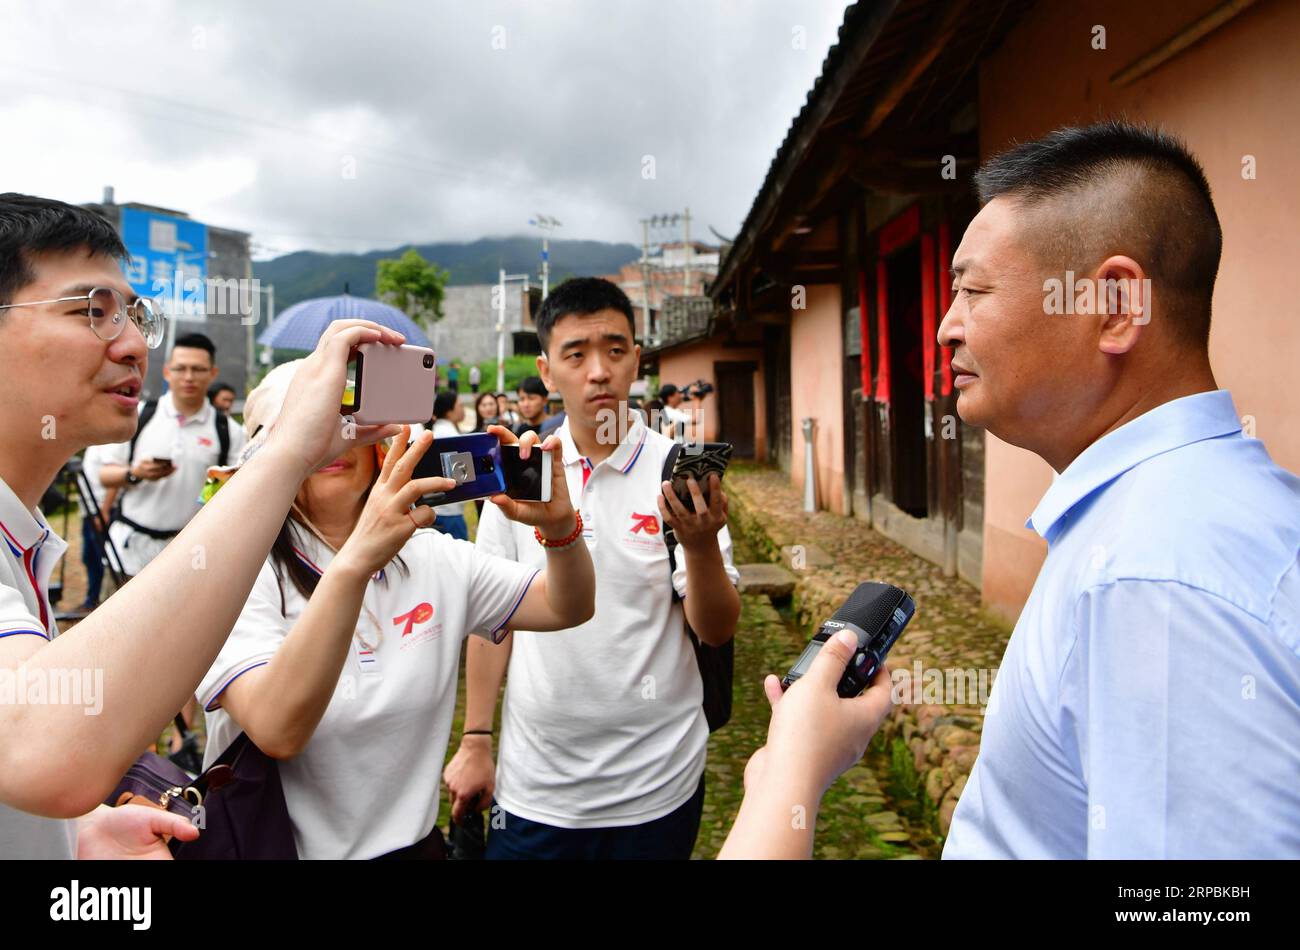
(544, 370)
(1123, 303)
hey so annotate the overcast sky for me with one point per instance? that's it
(349, 126)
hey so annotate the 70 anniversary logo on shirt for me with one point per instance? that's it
(416, 625)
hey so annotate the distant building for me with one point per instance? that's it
(667, 273)
(468, 328)
(162, 242)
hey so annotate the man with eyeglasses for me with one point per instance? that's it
(74, 345)
(161, 471)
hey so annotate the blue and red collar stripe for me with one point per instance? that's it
(17, 549)
(635, 455)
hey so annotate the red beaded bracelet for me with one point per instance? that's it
(562, 542)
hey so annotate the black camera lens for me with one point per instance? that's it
(485, 464)
(428, 361)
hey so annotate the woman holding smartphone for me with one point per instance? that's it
(343, 663)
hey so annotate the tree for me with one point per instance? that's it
(413, 285)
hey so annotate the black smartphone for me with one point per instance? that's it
(481, 466)
(526, 479)
(699, 460)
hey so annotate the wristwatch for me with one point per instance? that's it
(132, 478)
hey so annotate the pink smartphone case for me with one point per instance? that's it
(394, 385)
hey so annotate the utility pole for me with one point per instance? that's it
(501, 322)
(645, 279)
(501, 331)
(686, 281)
(547, 225)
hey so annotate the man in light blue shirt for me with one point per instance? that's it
(1148, 705)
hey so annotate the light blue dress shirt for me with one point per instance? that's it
(1148, 704)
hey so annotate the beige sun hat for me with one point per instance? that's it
(261, 408)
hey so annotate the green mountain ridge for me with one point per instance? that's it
(303, 275)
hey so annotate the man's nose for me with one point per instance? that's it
(951, 331)
(129, 348)
(598, 369)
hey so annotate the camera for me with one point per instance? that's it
(428, 361)
(460, 466)
(696, 390)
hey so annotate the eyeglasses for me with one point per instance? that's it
(108, 312)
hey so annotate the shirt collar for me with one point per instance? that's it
(21, 527)
(622, 458)
(169, 405)
(1167, 427)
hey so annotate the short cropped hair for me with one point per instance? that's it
(31, 225)
(1116, 187)
(443, 403)
(197, 341)
(533, 386)
(581, 296)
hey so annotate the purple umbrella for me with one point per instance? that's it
(300, 327)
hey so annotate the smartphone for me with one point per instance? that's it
(390, 384)
(482, 466)
(699, 460)
(161, 461)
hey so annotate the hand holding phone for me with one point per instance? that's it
(390, 384)
(553, 513)
(388, 519)
(699, 461)
(695, 508)
(480, 466)
(151, 470)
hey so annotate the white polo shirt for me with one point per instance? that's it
(603, 724)
(367, 782)
(30, 551)
(168, 503)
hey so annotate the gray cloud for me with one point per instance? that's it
(251, 115)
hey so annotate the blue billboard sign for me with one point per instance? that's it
(169, 260)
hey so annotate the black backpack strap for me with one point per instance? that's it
(146, 413)
(223, 436)
(670, 537)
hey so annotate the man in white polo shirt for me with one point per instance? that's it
(603, 734)
(161, 471)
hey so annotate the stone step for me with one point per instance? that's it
(770, 579)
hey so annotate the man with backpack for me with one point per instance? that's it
(605, 725)
(161, 471)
